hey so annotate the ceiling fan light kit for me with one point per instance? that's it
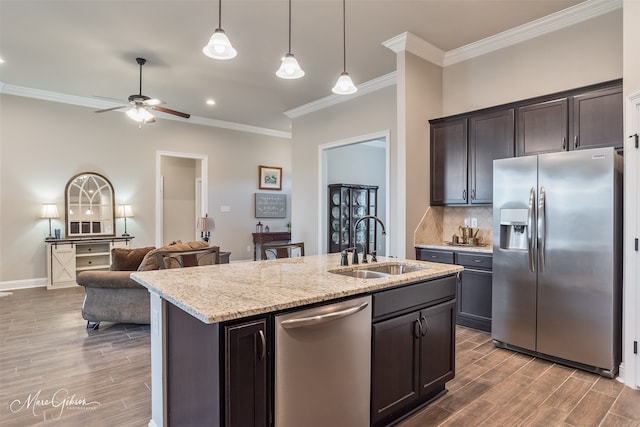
(289, 68)
(142, 104)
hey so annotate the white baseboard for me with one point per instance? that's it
(11, 285)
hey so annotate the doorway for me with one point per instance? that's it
(362, 160)
(181, 195)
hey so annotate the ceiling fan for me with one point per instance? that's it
(142, 104)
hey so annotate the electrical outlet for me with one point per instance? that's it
(249, 248)
(474, 222)
(466, 222)
(225, 208)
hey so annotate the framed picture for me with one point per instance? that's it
(270, 178)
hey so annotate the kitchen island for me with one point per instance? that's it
(204, 321)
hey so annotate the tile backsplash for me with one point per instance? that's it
(440, 223)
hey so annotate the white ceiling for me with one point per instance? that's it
(87, 48)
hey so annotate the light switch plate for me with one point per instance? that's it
(474, 222)
(225, 208)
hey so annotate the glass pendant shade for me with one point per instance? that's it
(344, 85)
(219, 46)
(140, 114)
(289, 69)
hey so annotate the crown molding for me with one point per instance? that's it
(328, 101)
(81, 101)
(411, 43)
(556, 21)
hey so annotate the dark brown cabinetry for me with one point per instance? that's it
(245, 360)
(598, 119)
(474, 286)
(449, 162)
(543, 127)
(491, 137)
(462, 155)
(577, 121)
(413, 347)
(347, 204)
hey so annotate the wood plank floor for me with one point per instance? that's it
(54, 372)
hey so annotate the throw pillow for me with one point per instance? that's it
(128, 259)
(151, 263)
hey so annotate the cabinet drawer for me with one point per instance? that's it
(419, 294)
(434, 255)
(475, 260)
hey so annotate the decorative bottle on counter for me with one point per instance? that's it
(266, 229)
(259, 227)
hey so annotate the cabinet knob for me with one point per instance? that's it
(464, 194)
(564, 143)
(575, 141)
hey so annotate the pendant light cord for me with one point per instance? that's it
(344, 36)
(289, 26)
(220, 14)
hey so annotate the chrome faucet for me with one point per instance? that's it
(364, 248)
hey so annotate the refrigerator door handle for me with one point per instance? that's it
(530, 234)
(542, 225)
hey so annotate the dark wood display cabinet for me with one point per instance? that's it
(413, 347)
(474, 285)
(348, 203)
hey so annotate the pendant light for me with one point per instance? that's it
(219, 46)
(344, 85)
(289, 69)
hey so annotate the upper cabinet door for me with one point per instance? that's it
(449, 163)
(491, 137)
(598, 119)
(542, 127)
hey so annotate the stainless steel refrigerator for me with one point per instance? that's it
(557, 257)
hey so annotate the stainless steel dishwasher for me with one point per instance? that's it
(323, 365)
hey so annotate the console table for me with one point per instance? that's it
(276, 236)
(68, 257)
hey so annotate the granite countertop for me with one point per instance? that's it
(482, 249)
(216, 293)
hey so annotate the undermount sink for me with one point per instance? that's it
(378, 271)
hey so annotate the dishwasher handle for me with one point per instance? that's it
(302, 322)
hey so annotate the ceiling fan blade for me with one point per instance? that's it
(106, 98)
(153, 102)
(111, 109)
(169, 111)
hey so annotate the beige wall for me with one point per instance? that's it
(583, 54)
(43, 144)
(422, 94)
(363, 115)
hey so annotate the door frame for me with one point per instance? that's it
(630, 367)
(322, 183)
(201, 195)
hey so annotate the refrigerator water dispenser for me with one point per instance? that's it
(513, 229)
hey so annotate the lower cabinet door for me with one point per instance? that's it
(246, 371)
(474, 299)
(394, 384)
(437, 347)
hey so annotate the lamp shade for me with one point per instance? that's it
(219, 46)
(125, 211)
(206, 224)
(289, 69)
(49, 210)
(344, 85)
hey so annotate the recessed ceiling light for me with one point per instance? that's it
(211, 102)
